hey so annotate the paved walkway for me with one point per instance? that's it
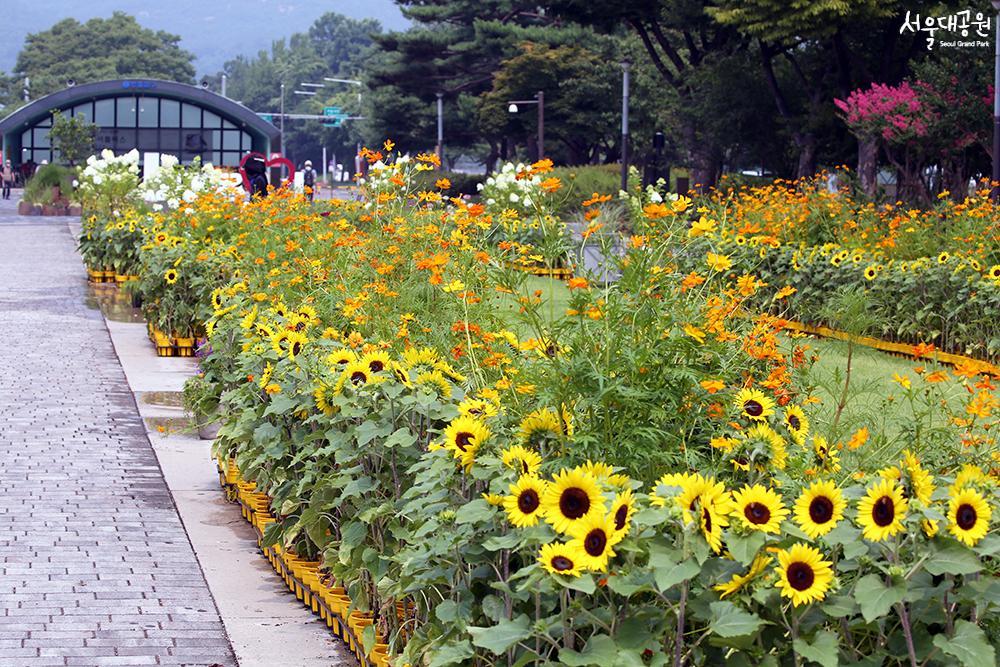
(96, 566)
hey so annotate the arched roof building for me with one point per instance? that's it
(146, 114)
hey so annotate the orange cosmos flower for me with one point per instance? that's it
(577, 283)
(712, 386)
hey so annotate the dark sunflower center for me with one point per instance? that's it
(966, 516)
(376, 366)
(800, 576)
(525, 468)
(574, 503)
(561, 563)
(357, 377)
(296, 348)
(757, 513)
(463, 440)
(753, 408)
(883, 511)
(821, 509)
(527, 502)
(595, 542)
(620, 517)
(794, 422)
(706, 519)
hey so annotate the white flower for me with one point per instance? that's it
(157, 207)
(98, 179)
(514, 198)
(76, 183)
(173, 202)
(167, 160)
(655, 197)
(108, 154)
(189, 196)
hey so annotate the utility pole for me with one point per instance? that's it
(27, 86)
(626, 66)
(282, 119)
(440, 110)
(541, 124)
(223, 85)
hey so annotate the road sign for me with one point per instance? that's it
(332, 111)
(266, 116)
(336, 116)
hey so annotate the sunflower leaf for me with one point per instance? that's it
(600, 650)
(822, 650)
(969, 645)
(953, 558)
(667, 572)
(875, 598)
(500, 637)
(728, 620)
(744, 549)
(452, 653)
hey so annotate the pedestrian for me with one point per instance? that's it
(309, 180)
(7, 177)
(255, 170)
(43, 163)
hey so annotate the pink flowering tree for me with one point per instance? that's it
(898, 119)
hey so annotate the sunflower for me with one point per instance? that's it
(819, 508)
(171, 276)
(290, 342)
(994, 272)
(622, 509)
(321, 396)
(803, 575)
(559, 558)
(871, 272)
(796, 422)
(476, 407)
(593, 539)
(969, 475)
(759, 508)
(524, 504)
(341, 357)
(540, 426)
(464, 436)
(435, 380)
(377, 361)
(881, 511)
(825, 457)
(521, 459)
(573, 496)
(715, 504)
(669, 480)
(754, 404)
(598, 469)
(356, 374)
(777, 450)
(738, 581)
(943, 258)
(424, 356)
(916, 483)
(968, 516)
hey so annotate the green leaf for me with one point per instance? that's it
(728, 620)
(474, 512)
(875, 598)
(451, 654)
(500, 637)
(600, 650)
(823, 649)
(952, 558)
(667, 571)
(744, 549)
(850, 538)
(969, 645)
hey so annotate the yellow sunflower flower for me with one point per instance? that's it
(882, 510)
(540, 426)
(593, 539)
(522, 460)
(559, 558)
(968, 516)
(622, 509)
(796, 422)
(523, 505)
(759, 508)
(803, 575)
(573, 496)
(819, 508)
(754, 404)
(463, 437)
(171, 276)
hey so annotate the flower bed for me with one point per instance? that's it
(635, 480)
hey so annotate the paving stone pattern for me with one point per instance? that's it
(96, 567)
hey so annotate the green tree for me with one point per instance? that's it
(72, 137)
(113, 48)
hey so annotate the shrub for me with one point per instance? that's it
(38, 189)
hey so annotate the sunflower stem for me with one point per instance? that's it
(679, 643)
(905, 617)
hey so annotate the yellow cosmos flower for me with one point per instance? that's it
(718, 262)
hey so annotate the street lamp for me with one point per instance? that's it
(540, 101)
(626, 66)
(996, 108)
(282, 119)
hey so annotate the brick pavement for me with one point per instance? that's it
(96, 567)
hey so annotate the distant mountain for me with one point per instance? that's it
(214, 30)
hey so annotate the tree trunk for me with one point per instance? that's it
(868, 165)
(806, 142)
(492, 157)
(704, 159)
